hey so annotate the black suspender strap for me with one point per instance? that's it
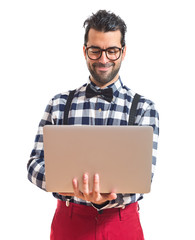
(133, 109)
(67, 107)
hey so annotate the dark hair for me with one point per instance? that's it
(105, 21)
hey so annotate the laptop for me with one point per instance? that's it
(121, 155)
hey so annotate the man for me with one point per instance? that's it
(85, 214)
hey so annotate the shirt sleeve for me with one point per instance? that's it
(150, 117)
(36, 165)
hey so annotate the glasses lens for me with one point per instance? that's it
(113, 53)
(94, 53)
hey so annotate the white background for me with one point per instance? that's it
(41, 55)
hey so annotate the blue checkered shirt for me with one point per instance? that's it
(93, 111)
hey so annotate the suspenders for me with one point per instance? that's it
(132, 115)
(133, 109)
(67, 107)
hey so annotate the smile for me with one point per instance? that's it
(102, 67)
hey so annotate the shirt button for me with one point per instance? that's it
(100, 109)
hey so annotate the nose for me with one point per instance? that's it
(103, 58)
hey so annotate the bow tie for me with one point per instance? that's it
(106, 94)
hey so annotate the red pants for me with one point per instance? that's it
(77, 222)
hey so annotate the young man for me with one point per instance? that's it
(103, 101)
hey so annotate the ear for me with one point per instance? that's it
(84, 52)
(124, 52)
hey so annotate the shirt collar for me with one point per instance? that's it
(116, 86)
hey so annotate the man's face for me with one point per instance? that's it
(104, 71)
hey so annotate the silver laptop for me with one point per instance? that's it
(122, 155)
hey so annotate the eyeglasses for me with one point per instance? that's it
(112, 53)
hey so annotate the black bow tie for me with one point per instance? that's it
(106, 94)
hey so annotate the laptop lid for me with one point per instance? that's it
(121, 155)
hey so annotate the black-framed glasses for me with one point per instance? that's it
(112, 53)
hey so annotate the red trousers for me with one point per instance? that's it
(75, 222)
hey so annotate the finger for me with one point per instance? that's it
(109, 196)
(86, 185)
(75, 185)
(112, 196)
(96, 187)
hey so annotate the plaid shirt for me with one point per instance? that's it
(93, 111)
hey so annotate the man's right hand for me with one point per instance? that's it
(93, 196)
